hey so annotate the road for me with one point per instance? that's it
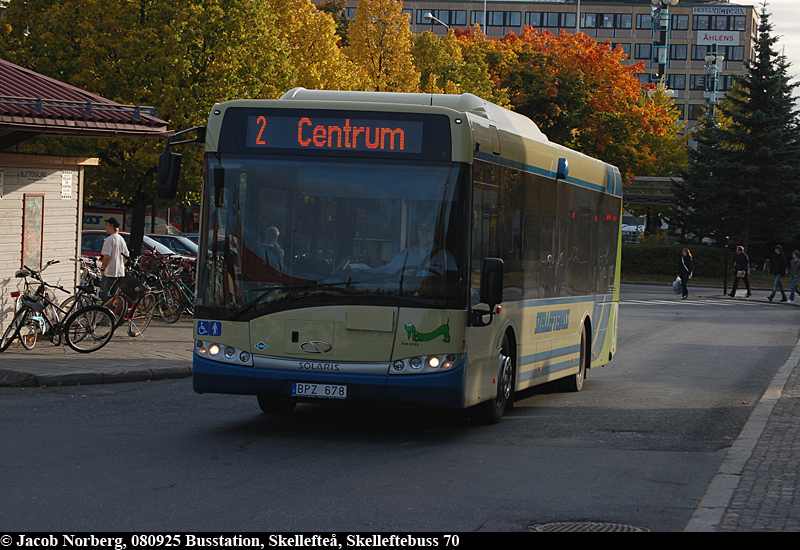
(637, 447)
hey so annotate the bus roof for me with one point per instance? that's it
(465, 103)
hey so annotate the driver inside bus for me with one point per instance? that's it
(422, 259)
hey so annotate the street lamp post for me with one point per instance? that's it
(712, 67)
(430, 16)
(661, 23)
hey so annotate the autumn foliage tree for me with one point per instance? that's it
(380, 44)
(582, 95)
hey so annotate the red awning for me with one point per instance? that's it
(34, 105)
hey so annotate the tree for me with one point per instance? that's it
(310, 35)
(337, 10)
(380, 43)
(582, 95)
(743, 178)
(180, 56)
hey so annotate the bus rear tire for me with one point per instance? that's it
(274, 405)
(494, 409)
(574, 382)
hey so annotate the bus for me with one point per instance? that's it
(402, 249)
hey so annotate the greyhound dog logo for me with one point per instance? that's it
(443, 330)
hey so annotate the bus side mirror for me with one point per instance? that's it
(492, 282)
(491, 292)
(169, 171)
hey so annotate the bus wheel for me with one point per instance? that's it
(494, 409)
(574, 382)
(273, 405)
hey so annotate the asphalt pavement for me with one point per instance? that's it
(755, 488)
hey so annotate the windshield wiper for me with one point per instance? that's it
(295, 288)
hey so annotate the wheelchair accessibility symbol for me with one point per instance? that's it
(209, 328)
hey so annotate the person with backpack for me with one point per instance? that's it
(741, 267)
(777, 266)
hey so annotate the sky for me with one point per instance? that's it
(785, 17)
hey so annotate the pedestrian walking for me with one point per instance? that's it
(777, 266)
(685, 270)
(741, 267)
(794, 273)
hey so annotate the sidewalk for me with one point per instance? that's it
(757, 487)
(166, 352)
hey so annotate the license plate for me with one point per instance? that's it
(324, 391)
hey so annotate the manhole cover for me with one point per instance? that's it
(586, 527)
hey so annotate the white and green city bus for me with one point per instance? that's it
(403, 249)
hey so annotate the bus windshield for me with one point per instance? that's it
(287, 232)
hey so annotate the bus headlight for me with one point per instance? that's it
(224, 354)
(429, 364)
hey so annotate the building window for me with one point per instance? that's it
(739, 23)
(680, 22)
(624, 20)
(448, 17)
(721, 23)
(533, 19)
(502, 18)
(643, 51)
(568, 20)
(644, 21)
(699, 52)
(589, 20)
(476, 17)
(608, 21)
(697, 82)
(626, 48)
(677, 51)
(644, 78)
(696, 111)
(701, 23)
(677, 81)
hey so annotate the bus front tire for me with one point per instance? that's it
(494, 409)
(274, 405)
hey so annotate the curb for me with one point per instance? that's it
(136, 374)
(708, 514)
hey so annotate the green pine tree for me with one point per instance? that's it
(743, 180)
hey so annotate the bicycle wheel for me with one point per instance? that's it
(89, 329)
(171, 304)
(143, 313)
(22, 318)
(118, 307)
(27, 335)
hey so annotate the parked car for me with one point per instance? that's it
(193, 236)
(92, 245)
(177, 243)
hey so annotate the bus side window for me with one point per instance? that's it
(485, 232)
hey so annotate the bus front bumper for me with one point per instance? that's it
(444, 389)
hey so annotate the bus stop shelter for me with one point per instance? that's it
(41, 196)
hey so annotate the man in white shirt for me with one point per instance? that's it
(114, 256)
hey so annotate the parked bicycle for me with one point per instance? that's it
(177, 296)
(85, 327)
(132, 301)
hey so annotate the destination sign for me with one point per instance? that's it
(314, 132)
(338, 134)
